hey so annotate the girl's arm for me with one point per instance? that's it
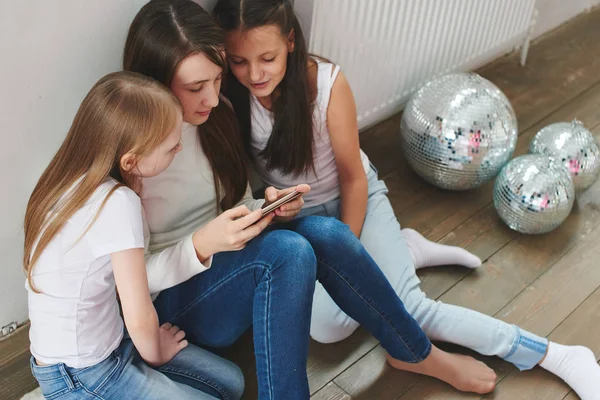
(230, 231)
(174, 265)
(157, 345)
(343, 131)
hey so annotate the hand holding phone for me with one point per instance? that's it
(286, 208)
(276, 204)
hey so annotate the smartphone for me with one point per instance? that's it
(285, 199)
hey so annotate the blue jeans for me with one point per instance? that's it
(270, 284)
(193, 374)
(383, 238)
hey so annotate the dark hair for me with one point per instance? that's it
(290, 146)
(162, 35)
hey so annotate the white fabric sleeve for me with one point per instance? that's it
(119, 224)
(173, 265)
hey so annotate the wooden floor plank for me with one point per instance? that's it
(15, 345)
(15, 375)
(326, 361)
(331, 392)
(16, 379)
(372, 378)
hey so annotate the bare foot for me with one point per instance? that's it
(464, 373)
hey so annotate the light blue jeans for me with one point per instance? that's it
(383, 239)
(194, 373)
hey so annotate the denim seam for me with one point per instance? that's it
(532, 345)
(107, 378)
(211, 290)
(57, 394)
(267, 333)
(49, 380)
(66, 377)
(521, 340)
(92, 393)
(416, 359)
(515, 344)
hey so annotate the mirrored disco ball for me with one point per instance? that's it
(533, 194)
(458, 131)
(573, 145)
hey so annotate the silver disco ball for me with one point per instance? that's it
(458, 131)
(573, 145)
(533, 194)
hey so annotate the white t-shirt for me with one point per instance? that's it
(76, 320)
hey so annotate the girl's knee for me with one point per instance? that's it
(233, 382)
(330, 332)
(322, 225)
(327, 232)
(290, 253)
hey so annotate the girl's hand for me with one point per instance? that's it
(230, 231)
(288, 211)
(171, 342)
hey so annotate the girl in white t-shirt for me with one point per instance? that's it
(84, 239)
(298, 118)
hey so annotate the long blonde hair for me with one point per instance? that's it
(124, 112)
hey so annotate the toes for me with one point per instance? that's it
(486, 387)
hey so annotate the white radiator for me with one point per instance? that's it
(388, 48)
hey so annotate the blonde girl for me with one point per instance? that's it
(84, 239)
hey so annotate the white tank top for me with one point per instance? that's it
(325, 185)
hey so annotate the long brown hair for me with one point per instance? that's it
(161, 36)
(124, 112)
(290, 146)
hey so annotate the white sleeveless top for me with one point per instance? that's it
(325, 184)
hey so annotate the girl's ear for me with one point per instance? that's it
(291, 41)
(128, 162)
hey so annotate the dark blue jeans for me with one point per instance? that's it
(269, 285)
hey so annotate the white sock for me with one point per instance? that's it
(577, 366)
(426, 253)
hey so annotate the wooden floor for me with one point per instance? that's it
(546, 284)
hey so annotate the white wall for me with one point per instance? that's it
(552, 13)
(53, 51)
